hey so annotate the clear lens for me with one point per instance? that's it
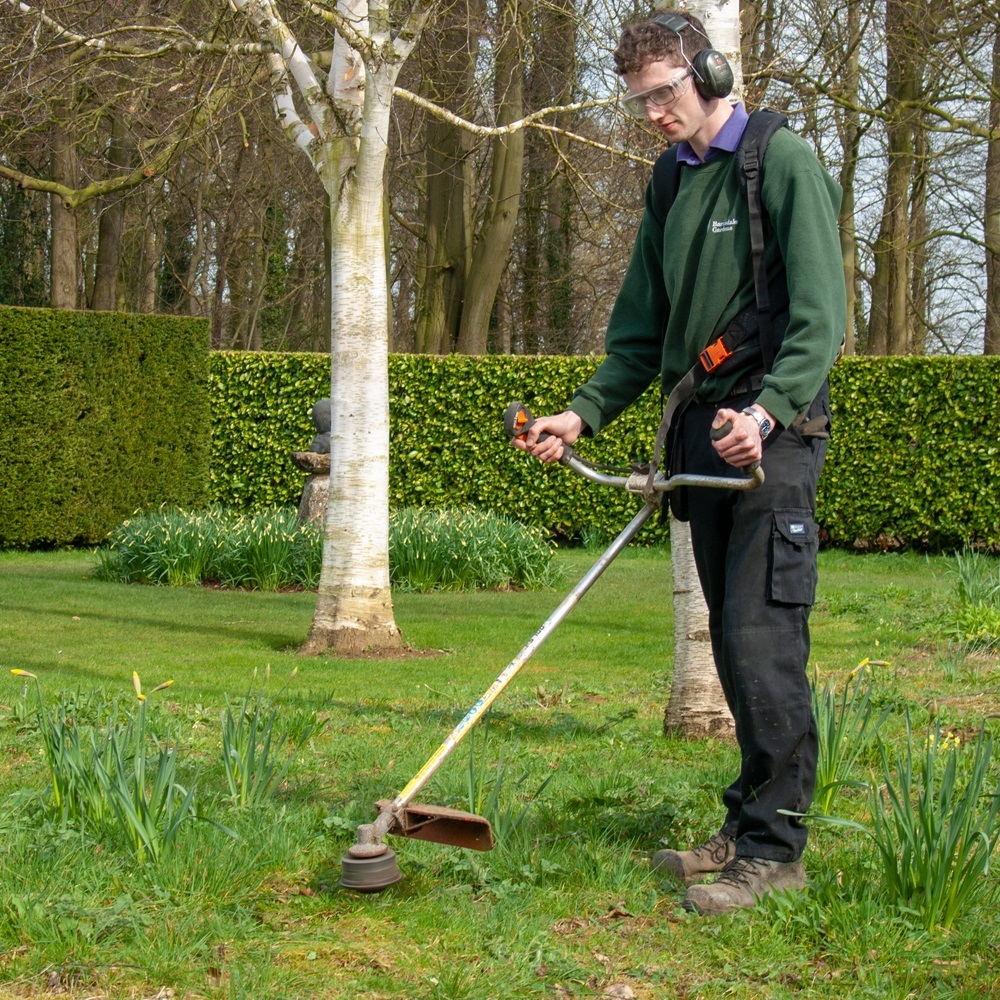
(659, 97)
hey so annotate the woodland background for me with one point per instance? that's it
(162, 182)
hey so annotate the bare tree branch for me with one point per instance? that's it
(103, 41)
(528, 121)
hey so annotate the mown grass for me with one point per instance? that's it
(567, 907)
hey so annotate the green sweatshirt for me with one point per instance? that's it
(692, 273)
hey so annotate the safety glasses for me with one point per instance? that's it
(660, 96)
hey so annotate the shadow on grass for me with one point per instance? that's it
(280, 642)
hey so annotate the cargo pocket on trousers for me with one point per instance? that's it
(794, 544)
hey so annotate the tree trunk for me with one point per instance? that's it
(546, 274)
(446, 252)
(112, 225)
(532, 277)
(889, 327)
(851, 143)
(757, 48)
(65, 263)
(497, 230)
(149, 270)
(697, 706)
(919, 304)
(197, 275)
(563, 333)
(354, 605)
(991, 221)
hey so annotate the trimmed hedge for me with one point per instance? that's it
(448, 447)
(913, 461)
(100, 413)
(914, 458)
(261, 412)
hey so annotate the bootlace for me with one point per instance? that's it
(716, 847)
(742, 871)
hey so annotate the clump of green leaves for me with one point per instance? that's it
(108, 780)
(935, 823)
(493, 792)
(149, 804)
(846, 726)
(977, 577)
(976, 620)
(268, 550)
(251, 748)
(264, 551)
(78, 797)
(465, 549)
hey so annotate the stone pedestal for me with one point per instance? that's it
(312, 506)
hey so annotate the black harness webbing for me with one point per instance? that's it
(735, 340)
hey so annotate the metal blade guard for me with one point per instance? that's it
(441, 825)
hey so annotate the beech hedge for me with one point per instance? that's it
(913, 459)
(100, 413)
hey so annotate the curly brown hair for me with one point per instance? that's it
(643, 41)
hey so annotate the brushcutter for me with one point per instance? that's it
(370, 865)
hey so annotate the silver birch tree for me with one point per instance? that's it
(346, 139)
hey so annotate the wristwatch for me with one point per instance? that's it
(763, 424)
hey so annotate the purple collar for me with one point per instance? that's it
(726, 139)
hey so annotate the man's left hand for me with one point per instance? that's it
(742, 446)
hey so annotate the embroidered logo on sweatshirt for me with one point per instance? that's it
(724, 225)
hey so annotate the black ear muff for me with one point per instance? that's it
(713, 76)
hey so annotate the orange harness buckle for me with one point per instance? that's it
(714, 355)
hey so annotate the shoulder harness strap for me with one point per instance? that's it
(749, 163)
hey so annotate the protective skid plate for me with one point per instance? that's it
(442, 825)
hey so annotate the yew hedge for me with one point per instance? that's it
(913, 460)
(100, 413)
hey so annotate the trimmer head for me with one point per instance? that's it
(370, 866)
(371, 874)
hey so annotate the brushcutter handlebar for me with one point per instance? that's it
(518, 419)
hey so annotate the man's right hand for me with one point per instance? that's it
(563, 429)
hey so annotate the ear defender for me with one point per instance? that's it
(713, 76)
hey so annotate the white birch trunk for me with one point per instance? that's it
(697, 706)
(354, 605)
(347, 141)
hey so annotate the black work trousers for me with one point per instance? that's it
(756, 558)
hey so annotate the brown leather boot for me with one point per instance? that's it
(689, 866)
(742, 883)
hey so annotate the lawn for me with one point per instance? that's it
(246, 903)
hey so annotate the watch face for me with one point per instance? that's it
(763, 424)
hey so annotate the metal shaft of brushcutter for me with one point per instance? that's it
(517, 420)
(527, 651)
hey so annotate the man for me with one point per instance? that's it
(690, 278)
